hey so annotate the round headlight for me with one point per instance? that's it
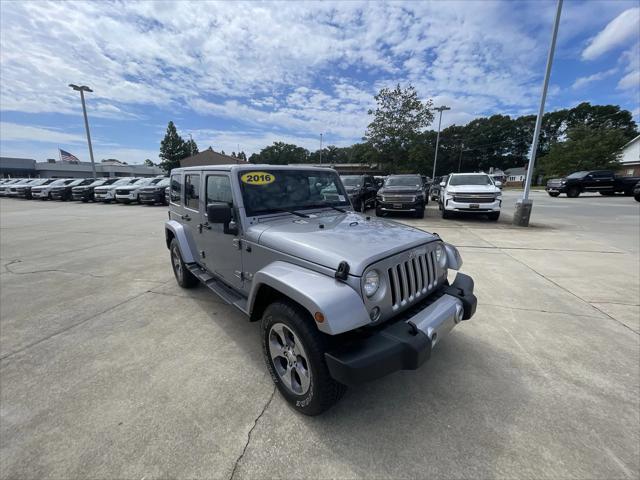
(441, 256)
(371, 282)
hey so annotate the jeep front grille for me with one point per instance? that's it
(412, 278)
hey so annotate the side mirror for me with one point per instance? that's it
(219, 212)
(442, 184)
(498, 184)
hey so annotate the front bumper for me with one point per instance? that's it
(125, 198)
(152, 197)
(407, 343)
(103, 196)
(453, 206)
(400, 206)
(556, 189)
(82, 195)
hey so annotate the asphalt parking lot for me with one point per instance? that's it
(109, 370)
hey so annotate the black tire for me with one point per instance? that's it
(323, 391)
(420, 213)
(445, 214)
(494, 216)
(362, 207)
(553, 194)
(573, 192)
(637, 197)
(84, 200)
(184, 277)
(379, 213)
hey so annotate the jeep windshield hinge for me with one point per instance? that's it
(343, 271)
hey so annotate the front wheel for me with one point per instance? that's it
(573, 192)
(420, 213)
(494, 216)
(293, 349)
(379, 212)
(445, 213)
(184, 277)
(553, 194)
(637, 197)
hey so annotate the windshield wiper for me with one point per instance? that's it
(327, 204)
(283, 210)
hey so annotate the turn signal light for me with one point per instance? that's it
(319, 317)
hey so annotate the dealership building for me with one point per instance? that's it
(29, 168)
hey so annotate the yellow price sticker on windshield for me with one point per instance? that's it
(258, 178)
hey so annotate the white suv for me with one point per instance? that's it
(470, 193)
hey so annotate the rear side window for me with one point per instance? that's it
(192, 191)
(219, 189)
(175, 189)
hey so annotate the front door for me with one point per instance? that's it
(222, 253)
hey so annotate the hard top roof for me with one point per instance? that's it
(249, 167)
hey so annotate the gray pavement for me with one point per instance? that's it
(109, 370)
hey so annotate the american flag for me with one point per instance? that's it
(67, 157)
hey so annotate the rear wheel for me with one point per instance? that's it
(294, 349)
(553, 194)
(573, 192)
(184, 277)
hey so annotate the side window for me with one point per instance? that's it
(192, 191)
(219, 189)
(175, 189)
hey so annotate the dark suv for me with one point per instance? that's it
(85, 192)
(63, 192)
(402, 193)
(361, 190)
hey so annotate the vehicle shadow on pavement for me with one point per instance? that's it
(422, 423)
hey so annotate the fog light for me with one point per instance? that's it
(374, 314)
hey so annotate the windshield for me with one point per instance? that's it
(76, 182)
(163, 183)
(578, 175)
(96, 183)
(60, 181)
(271, 191)
(156, 181)
(403, 182)
(470, 180)
(142, 181)
(351, 181)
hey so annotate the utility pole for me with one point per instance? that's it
(82, 89)
(524, 205)
(320, 149)
(435, 160)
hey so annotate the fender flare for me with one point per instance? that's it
(341, 305)
(178, 232)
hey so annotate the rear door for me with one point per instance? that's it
(220, 251)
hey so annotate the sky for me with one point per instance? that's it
(241, 75)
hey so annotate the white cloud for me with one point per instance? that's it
(12, 132)
(582, 82)
(617, 32)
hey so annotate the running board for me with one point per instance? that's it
(225, 292)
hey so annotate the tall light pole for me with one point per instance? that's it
(320, 149)
(435, 160)
(82, 89)
(524, 205)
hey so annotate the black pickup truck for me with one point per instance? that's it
(604, 182)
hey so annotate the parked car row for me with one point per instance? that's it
(122, 189)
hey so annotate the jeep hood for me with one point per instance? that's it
(344, 237)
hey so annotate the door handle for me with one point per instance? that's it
(203, 225)
(185, 217)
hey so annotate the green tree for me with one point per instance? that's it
(149, 163)
(397, 120)
(242, 156)
(172, 149)
(281, 153)
(191, 147)
(585, 148)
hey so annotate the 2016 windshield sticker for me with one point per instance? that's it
(258, 178)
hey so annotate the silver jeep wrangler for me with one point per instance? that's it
(342, 298)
